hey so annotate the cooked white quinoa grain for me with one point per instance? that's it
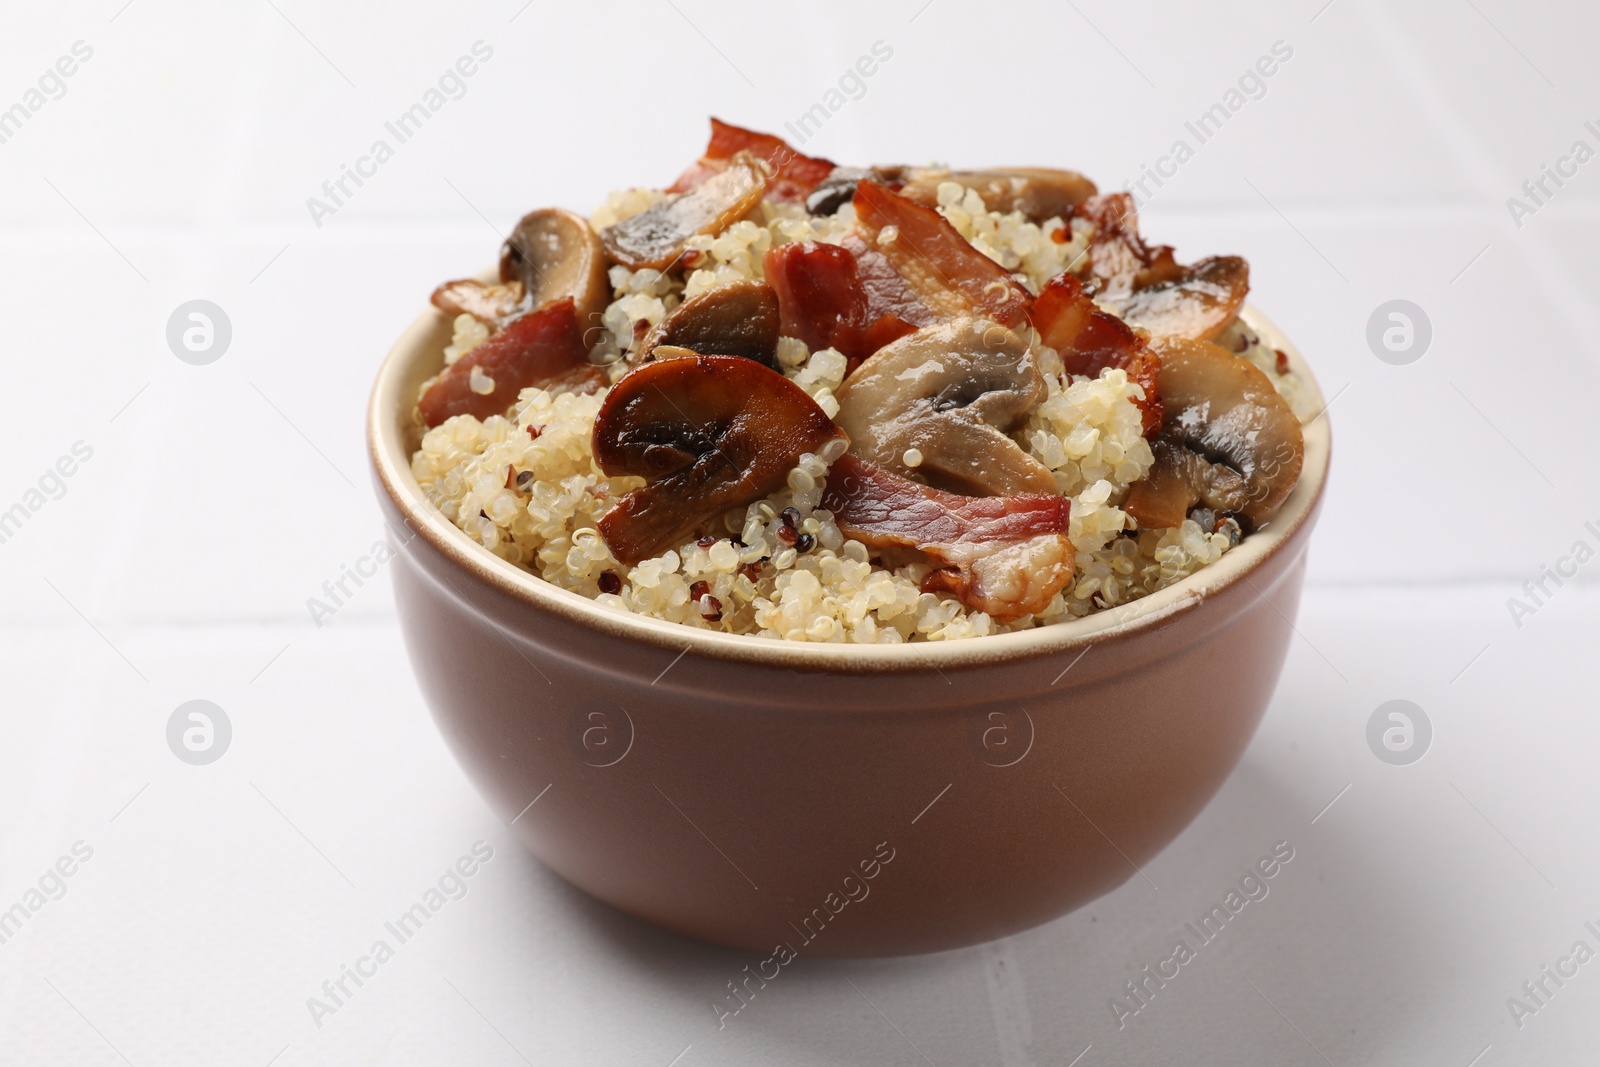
(1087, 431)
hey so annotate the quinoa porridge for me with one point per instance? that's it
(793, 400)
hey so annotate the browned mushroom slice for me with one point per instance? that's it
(948, 395)
(494, 305)
(1145, 285)
(1229, 442)
(1040, 193)
(1198, 305)
(656, 236)
(554, 254)
(839, 187)
(738, 319)
(543, 348)
(707, 433)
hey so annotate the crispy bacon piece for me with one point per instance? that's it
(941, 267)
(794, 175)
(543, 348)
(824, 301)
(888, 293)
(1148, 287)
(1007, 556)
(1090, 340)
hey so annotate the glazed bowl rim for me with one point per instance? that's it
(390, 441)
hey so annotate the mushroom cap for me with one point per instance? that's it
(737, 319)
(554, 254)
(1040, 193)
(1198, 303)
(1229, 441)
(656, 236)
(951, 391)
(1145, 285)
(707, 433)
(495, 305)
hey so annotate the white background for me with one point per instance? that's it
(219, 498)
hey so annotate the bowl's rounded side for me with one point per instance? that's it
(839, 800)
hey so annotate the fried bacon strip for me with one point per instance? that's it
(904, 268)
(824, 301)
(942, 268)
(543, 348)
(794, 175)
(1090, 340)
(1007, 556)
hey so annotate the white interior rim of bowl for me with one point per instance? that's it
(393, 463)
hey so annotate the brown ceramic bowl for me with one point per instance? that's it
(838, 800)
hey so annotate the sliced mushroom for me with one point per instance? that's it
(707, 433)
(554, 254)
(1040, 193)
(494, 305)
(835, 191)
(948, 395)
(793, 175)
(1007, 556)
(1229, 441)
(656, 236)
(839, 187)
(738, 319)
(543, 348)
(1148, 287)
(947, 273)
